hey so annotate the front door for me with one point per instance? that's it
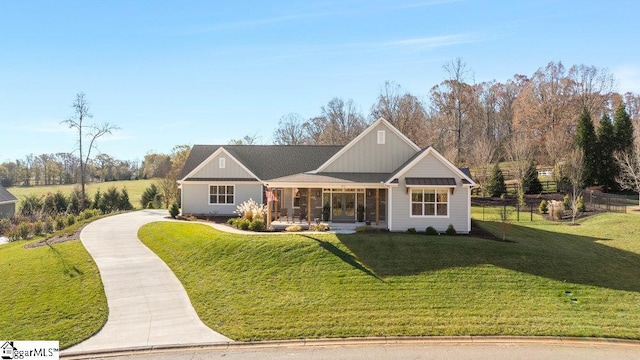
(343, 207)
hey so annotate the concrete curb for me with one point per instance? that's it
(396, 340)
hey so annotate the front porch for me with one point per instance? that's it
(355, 206)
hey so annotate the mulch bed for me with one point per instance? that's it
(55, 239)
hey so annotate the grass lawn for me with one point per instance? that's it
(50, 293)
(134, 187)
(311, 286)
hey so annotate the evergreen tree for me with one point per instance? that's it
(622, 130)
(608, 169)
(587, 141)
(496, 185)
(530, 183)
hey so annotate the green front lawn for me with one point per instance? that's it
(50, 293)
(312, 286)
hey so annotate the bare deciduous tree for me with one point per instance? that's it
(291, 131)
(453, 99)
(92, 132)
(246, 140)
(573, 169)
(404, 111)
(629, 164)
(480, 157)
(519, 149)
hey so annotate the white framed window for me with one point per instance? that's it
(381, 137)
(296, 198)
(430, 202)
(222, 163)
(222, 194)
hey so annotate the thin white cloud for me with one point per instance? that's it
(433, 41)
(628, 77)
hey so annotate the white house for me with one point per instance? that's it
(380, 174)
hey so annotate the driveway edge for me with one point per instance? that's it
(353, 342)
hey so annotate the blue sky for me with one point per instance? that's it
(204, 72)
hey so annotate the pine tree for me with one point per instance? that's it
(530, 183)
(496, 185)
(587, 141)
(608, 169)
(622, 130)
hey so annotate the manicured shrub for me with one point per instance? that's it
(319, 227)
(566, 202)
(174, 210)
(431, 231)
(24, 230)
(124, 204)
(543, 207)
(74, 202)
(38, 228)
(257, 225)
(48, 225)
(60, 202)
(293, 228)
(530, 183)
(495, 185)
(31, 205)
(88, 214)
(580, 204)
(5, 225)
(60, 224)
(71, 219)
(151, 198)
(411, 230)
(556, 210)
(243, 224)
(451, 231)
(232, 221)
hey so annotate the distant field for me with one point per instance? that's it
(134, 187)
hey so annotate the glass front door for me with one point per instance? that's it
(343, 207)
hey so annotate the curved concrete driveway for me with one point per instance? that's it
(148, 306)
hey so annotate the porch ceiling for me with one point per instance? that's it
(334, 178)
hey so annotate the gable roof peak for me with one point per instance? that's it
(364, 133)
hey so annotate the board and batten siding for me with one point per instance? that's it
(7, 210)
(459, 211)
(195, 198)
(368, 156)
(231, 169)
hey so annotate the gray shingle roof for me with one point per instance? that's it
(6, 196)
(266, 161)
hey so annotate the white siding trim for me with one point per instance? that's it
(213, 156)
(390, 208)
(469, 209)
(438, 156)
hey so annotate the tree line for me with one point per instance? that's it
(523, 120)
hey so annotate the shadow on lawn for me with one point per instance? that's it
(558, 256)
(343, 255)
